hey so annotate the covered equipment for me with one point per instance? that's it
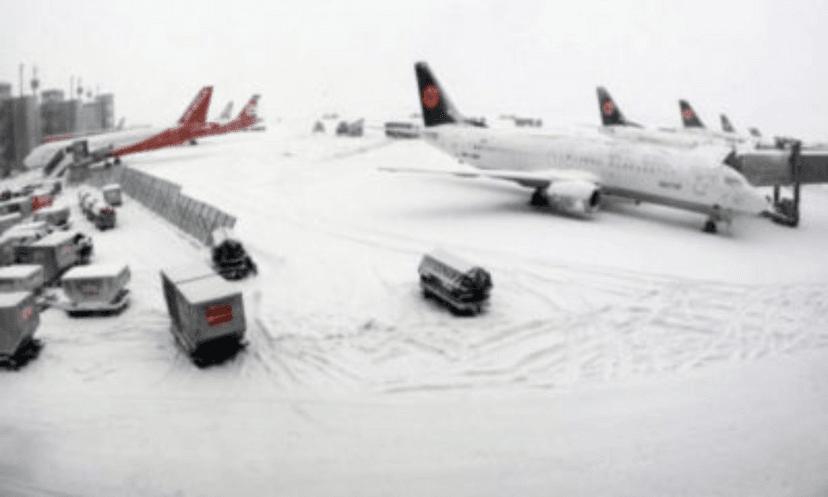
(96, 288)
(19, 319)
(207, 313)
(112, 194)
(21, 278)
(461, 285)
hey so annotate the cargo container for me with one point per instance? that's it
(21, 278)
(7, 251)
(461, 285)
(56, 253)
(9, 220)
(23, 205)
(104, 216)
(20, 319)
(56, 216)
(96, 288)
(112, 194)
(207, 313)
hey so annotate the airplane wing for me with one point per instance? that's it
(530, 179)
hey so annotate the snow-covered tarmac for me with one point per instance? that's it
(627, 354)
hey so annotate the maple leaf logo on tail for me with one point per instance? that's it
(608, 107)
(431, 96)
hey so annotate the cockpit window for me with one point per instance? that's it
(734, 181)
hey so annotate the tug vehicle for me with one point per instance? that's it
(230, 259)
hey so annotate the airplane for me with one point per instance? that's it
(117, 143)
(246, 118)
(572, 173)
(693, 125)
(615, 124)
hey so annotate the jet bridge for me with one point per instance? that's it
(784, 166)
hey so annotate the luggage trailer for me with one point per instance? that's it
(19, 319)
(207, 312)
(96, 289)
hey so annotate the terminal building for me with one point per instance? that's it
(26, 121)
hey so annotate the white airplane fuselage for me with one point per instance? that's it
(694, 180)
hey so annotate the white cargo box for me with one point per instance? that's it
(55, 216)
(9, 220)
(21, 278)
(112, 194)
(96, 287)
(20, 319)
(56, 252)
(203, 306)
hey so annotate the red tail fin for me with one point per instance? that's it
(196, 113)
(247, 117)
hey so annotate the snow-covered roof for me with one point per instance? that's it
(20, 270)
(203, 289)
(13, 215)
(180, 274)
(55, 238)
(112, 270)
(12, 299)
(451, 260)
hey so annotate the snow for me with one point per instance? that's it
(19, 271)
(111, 270)
(207, 289)
(628, 354)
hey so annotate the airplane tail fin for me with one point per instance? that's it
(755, 132)
(196, 113)
(726, 126)
(688, 116)
(247, 116)
(228, 110)
(610, 113)
(436, 105)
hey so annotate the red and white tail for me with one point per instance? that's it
(248, 117)
(196, 113)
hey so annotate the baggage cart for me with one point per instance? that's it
(104, 216)
(457, 283)
(56, 253)
(9, 220)
(56, 216)
(21, 278)
(208, 318)
(20, 319)
(96, 288)
(112, 194)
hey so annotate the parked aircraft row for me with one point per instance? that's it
(573, 172)
(191, 126)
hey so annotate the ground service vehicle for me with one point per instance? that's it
(56, 253)
(455, 282)
(19, 318)
(112, 194)
(21, 278)
(208, 318)
(97, 288)
(229, 257)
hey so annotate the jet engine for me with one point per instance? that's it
(574, 197)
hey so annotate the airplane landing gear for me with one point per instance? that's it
(193, 142)
(539, 198)
(710, 226)
(117, 161)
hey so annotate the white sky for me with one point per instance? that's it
(761, 62)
